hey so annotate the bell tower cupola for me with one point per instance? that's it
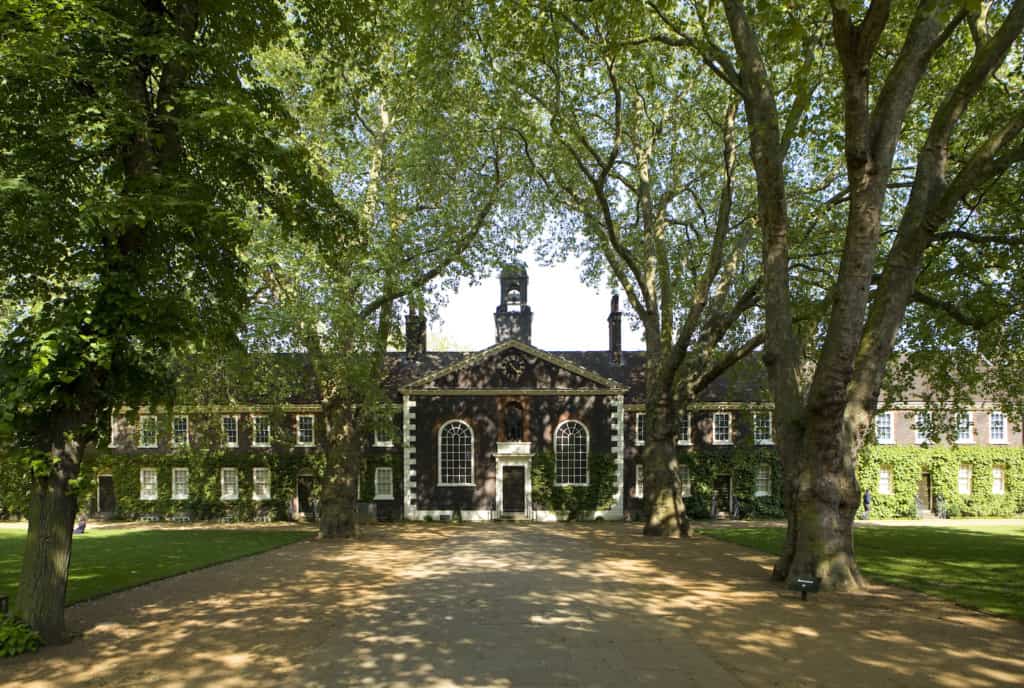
(513, 318)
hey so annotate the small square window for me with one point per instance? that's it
(641, 429)
(683, 431)
(260, 483)
(148, 482)
(260, 431)
(179, 483)
(304, 431)
(383, 483)
(147, 432)
(883, 428)
(763, 428)
(997, 428)
(722, 428)
(179, 431)
(229, 484)
(229, 424)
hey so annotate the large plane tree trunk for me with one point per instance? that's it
(339, 491)
(44, 570)
(666, 511)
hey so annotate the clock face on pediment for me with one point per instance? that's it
(512, 368)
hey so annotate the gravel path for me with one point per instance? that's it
(516, 605)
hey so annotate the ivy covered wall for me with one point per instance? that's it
(575, 500)
(742, 463)
(907, 464)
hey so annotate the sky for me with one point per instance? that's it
(567, 315)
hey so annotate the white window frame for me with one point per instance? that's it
(381, 438)
(257, 494)
(144, 495)
(962, 470)
(298, 430)
(767, 479)
(685, 480)
(921, 418)
(256, 420)
(688, 440)
(1000, 471)
(225, 495)
(770, 440)
(224, 431)
(640, 429)
(714, 428)
(174, 430)
(586, 455)
(885, 480)
(891, 438)
(638, 482)
(472, 454)
(969, 416)
(379, 481)
(992, 439)
(143, 420)
(176, 473)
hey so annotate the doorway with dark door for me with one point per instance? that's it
(106, 500)
(924, 494)
(513, 489)
(304, 497)
(721, 497)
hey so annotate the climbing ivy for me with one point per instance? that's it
(575, 500)
(742, 463)
(943, 463)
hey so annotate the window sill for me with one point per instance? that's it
(886, 442)
(721, 444)
(572, 484)
(762, 494)
(228, 499)
(384, 445)
(764, 443)
(456, 484)
(680, 443)
(998, 441)
(261, 445)
(965, 442)
(147, 499)
(179, 498)
(231, 446)
(383, 498)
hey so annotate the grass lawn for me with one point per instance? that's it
(103, 561)
(981, 567)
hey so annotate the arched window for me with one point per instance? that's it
(513, 300)
(571, 447)
(513, 422)
(455, 454)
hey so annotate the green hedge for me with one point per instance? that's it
(742, 463)
(943, 462)
(204, 501)
(599, 493)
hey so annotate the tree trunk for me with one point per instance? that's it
(666, 511)
(823, 497)
(339, 492)
(44, 569)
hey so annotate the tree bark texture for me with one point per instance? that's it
(339, 490)
(663, 500)
(44, 570)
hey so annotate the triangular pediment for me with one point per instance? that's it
(513, 365)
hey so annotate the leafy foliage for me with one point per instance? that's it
(576, 500)
(17, 637)
(742, 464)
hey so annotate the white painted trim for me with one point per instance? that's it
(919, 437)
(1005, 439)
(762, 493)
(638, 481)
(142, 431)
(971, 429)
(384, 443)
(472, 454)
(1001, 468)
(259, 498)
(640, 440)
(253, 420)
(554, 442)
(892, 428)
(228, 497)
(771, 429)
(391, 483)
(408, 457)
(680, 442)
(501, 461)
(224, 432)
(298, 430)
(175, 443)
(142, 484)
(177, 496)
(714, 439)
(889, 485)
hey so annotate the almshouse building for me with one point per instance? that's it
(515, 431)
